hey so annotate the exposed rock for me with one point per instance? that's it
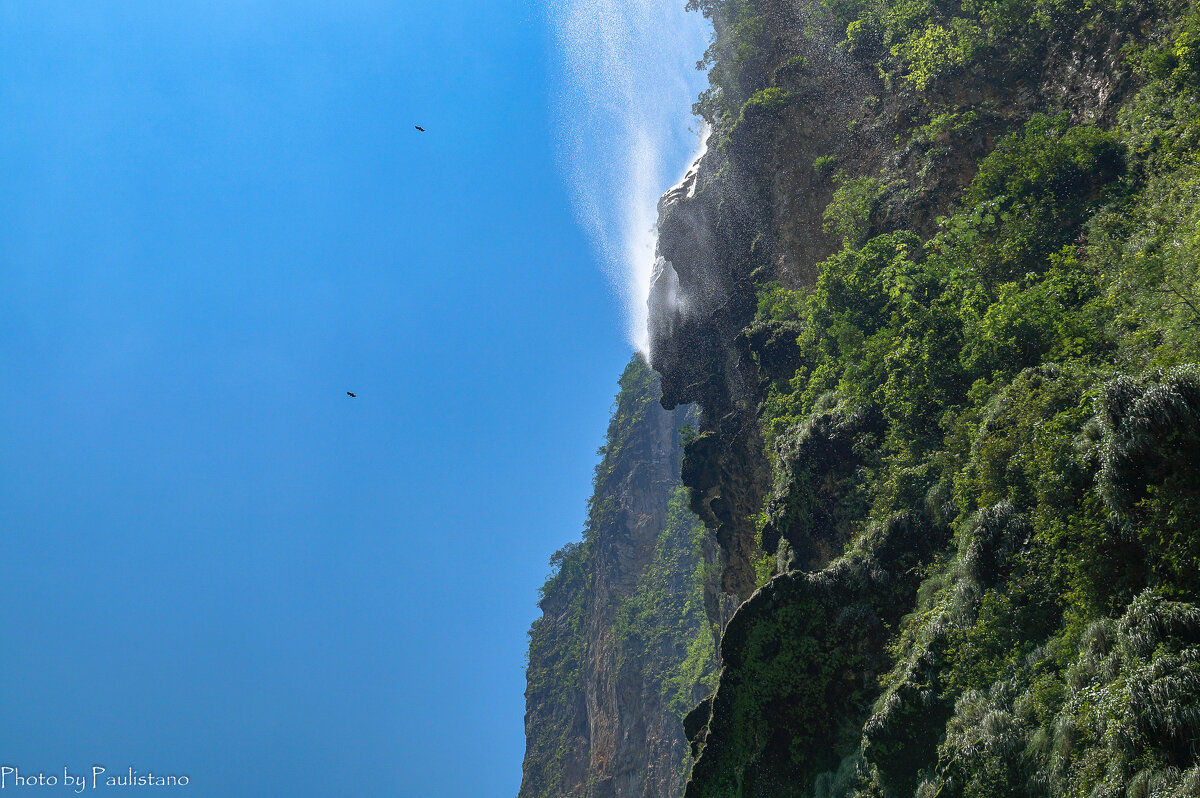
(827, 687)
(607, 692)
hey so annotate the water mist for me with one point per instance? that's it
(625, 128)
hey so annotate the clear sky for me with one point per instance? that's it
(216, 219)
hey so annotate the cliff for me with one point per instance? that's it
(624, 647)
(934, 287)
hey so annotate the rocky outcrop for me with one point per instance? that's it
(624, 646)
(750, 212)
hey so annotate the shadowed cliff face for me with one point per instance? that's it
(700, 298)
(624, 646)
(750, 211)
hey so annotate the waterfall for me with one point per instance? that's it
(624, 126)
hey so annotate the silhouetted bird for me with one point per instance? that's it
(352, 395)
(418, 127)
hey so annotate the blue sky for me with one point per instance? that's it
(216, 219)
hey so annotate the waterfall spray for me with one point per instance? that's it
(625, 128)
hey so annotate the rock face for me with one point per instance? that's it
(749, 212)
(933, 287)
(931, 254)
(624, 646)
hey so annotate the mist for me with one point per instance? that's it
(625, 128)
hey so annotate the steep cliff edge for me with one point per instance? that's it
(934, 286)
(624, 646)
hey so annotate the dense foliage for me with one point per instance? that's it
(1015, 379)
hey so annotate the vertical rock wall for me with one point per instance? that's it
(624, 646)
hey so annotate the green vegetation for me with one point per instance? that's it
(849, 213)
(796, 668)
(1014, 380)
(824, 164)
(558, 641)
(665, 613)
(658, 634)
(735, 72)
(995, 355)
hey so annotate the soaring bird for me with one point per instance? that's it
(418, 127)
(352, 395)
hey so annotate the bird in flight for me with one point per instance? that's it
(351, 395)
(418, 127)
